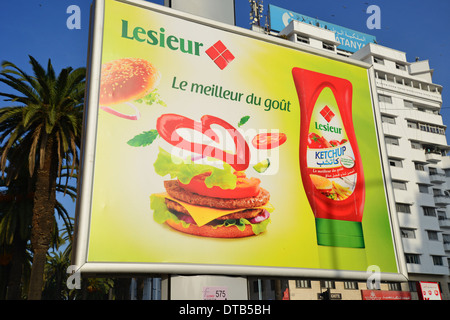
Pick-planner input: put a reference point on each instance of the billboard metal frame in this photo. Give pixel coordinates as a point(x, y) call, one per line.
point(85, 183)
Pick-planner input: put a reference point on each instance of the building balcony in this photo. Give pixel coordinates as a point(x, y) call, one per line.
point(433, 157)
point(447, 246)
point(422, 90)
point(435, 142)
point(444, 223)
point(437, 178)
point(441, 200)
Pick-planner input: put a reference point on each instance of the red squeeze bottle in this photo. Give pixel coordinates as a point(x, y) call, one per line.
point(330, 162)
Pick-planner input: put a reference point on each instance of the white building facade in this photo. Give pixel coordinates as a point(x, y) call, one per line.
point(416, 147)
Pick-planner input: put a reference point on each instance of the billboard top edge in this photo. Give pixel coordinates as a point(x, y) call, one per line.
point(242, 31)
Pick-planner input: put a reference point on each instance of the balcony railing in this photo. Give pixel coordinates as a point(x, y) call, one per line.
point(437, 178)
point(441, 200)
point(433, 157)
point(444, 223)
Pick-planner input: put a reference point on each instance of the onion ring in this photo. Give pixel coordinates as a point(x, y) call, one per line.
point(136, 116)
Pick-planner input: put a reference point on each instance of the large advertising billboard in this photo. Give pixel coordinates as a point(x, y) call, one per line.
point(218, 150)
point(349, 40)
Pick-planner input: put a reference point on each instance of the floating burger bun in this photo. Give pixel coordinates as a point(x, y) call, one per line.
point(125, 80)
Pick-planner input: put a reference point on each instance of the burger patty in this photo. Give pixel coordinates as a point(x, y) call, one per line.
point(247, 214)
point(177, 192)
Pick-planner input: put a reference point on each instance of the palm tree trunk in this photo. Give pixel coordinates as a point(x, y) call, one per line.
point(15, 274)
point(43, 219)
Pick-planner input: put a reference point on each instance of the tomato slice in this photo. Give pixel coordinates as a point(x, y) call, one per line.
point(269, 140)
point(245, 187)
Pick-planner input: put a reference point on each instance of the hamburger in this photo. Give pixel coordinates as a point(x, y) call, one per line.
point(323, 185)
point(208, 201)
point(124, 80)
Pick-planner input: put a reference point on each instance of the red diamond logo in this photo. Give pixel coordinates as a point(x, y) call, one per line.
point(220, 54)
point(327, 113)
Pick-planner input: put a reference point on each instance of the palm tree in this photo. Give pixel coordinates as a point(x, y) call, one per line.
point(16, 207)
point(45, 121)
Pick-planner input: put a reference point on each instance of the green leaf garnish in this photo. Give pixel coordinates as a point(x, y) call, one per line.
point(243, 120)
point(144, 139)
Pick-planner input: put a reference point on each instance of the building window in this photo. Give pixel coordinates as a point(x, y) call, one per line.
point(437, 260)
point(411, 124)
point(437, 193)
point(378, 60)
point(395, 163)
point(412, 286)
point(328, 46)
point(328, 284)
point(431, 128)
point(423, 188)
point(302, 39)
point(408, 233)
point(351, 285)
point(400, 66)
point(401, 185)
point(441, 215)
point(419, 166)
point(391, 140)
point(416, 145)
point(432, 235)
point(387, 119)
point(408, 104)
point(429, 211)
point(412, 258)
point(303, 283)
point(446, 238)
point(394, 286)
point(403, 207)
point(383, 98)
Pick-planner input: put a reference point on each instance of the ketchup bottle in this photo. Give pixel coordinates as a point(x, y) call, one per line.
point(330, 162)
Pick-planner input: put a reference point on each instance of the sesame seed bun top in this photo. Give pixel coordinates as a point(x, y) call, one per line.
point(127, 79)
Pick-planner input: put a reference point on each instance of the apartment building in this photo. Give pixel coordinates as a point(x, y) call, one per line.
point(417, 149)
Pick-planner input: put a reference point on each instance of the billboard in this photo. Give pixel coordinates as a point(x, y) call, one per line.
point(218, 150)
point(350, 40)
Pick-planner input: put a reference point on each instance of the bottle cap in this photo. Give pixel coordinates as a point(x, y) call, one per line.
point(339, 233)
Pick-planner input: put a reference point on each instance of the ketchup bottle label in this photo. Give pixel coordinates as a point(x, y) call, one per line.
point(329, 156)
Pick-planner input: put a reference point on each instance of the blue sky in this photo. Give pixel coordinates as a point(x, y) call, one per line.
point(419, 28)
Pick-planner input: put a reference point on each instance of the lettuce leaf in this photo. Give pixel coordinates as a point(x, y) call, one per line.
point(160, 211)
point(257, 228)
point(185, 170)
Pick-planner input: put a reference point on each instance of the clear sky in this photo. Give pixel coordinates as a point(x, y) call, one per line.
point(419, 28)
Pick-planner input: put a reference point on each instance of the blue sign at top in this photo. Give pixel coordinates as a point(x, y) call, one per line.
point(349, 40)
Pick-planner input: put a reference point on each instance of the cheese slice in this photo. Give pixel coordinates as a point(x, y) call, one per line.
point(203, 215)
